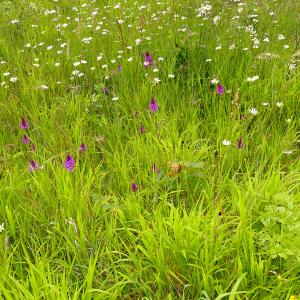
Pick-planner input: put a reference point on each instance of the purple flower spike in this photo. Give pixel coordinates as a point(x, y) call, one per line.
point(24, 124)
point(148, 60)
point(33, 165)
point(69, 163)
point(134, 187)
point(240, 144)
point(25, 139)
point(153, 105)
point(105, 90)
point(119, 68)
point(82, 147)
point(33, 147)
point(220, 89)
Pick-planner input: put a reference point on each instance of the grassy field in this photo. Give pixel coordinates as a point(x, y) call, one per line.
point(150, 149)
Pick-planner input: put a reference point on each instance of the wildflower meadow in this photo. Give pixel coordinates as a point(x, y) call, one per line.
point(149, 149)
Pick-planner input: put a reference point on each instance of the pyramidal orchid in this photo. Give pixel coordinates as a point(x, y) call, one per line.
point(105, 90)
point(32, 166)
point(69, 163)
point(24, 124)
point(220, 89)
point(25, 139)
point(134, 187)
point(153, 105)
point(82, 147)
point(148, 60)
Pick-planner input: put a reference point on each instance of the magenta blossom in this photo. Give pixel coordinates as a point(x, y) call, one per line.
point(82, 147)
point(220, 89)
point(33, 165)
point(148, 60)
point(134, 187)
point(69, 163)
point(24, 124)
point(153, 105)
point(25, 139)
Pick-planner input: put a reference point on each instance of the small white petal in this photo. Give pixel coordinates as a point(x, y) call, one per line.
point(226, 142)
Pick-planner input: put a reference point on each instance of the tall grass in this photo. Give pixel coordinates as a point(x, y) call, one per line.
point(215, 213)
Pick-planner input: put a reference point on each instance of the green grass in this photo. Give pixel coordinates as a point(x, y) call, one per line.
point(215, 222)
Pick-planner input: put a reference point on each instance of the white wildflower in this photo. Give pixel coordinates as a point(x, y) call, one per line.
point(13, 79)
point(44, 87)
point(226, 142)
point(87, 40)
point(216, 20)
point(252, 79)
point(156, 80)
point(214, 81)
point(253, 111)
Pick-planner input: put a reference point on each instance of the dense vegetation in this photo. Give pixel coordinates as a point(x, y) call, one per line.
point(149, 149)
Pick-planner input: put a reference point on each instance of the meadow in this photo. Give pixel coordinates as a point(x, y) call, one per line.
point(150, 149)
